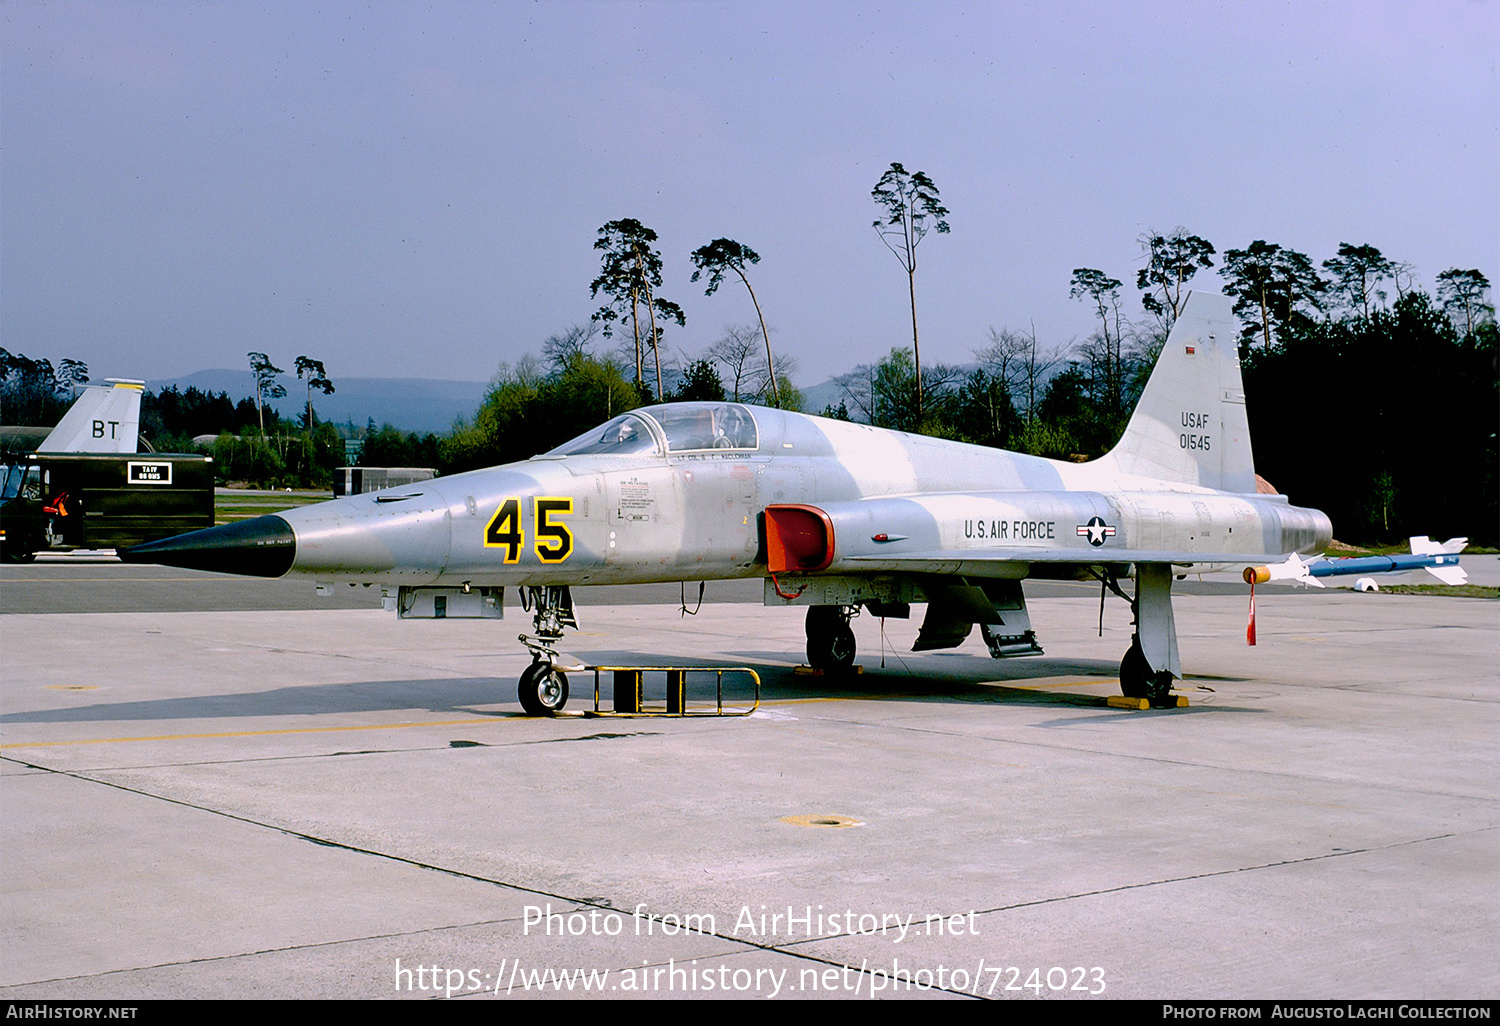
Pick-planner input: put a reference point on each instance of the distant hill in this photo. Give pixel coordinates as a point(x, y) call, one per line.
point(411, 404)
point(816, 397)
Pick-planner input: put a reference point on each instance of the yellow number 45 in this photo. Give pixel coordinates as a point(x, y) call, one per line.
point(553, 542)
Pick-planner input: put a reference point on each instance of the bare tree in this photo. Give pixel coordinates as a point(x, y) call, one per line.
point(735, 349)
point(1002, 356)
point(1035, 368)
point(528, 371)
point(567, 345)
point(767, 386)
point(860, 391)
point(1016, 359)
point(1403, 269)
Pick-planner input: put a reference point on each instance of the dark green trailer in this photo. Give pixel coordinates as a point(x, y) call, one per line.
point(59, 501)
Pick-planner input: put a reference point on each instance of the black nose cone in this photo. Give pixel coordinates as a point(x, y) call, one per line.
point(261, 547)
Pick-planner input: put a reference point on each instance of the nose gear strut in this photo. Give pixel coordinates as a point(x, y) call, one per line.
point(543, 688)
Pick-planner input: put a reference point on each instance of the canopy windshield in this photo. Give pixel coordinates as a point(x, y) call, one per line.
point(626, 435)
point(687, 427)
point(690, 426)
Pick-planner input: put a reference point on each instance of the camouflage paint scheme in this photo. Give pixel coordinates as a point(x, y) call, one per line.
point(837, 514)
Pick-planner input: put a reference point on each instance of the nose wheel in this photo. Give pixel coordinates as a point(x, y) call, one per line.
point(543, 690)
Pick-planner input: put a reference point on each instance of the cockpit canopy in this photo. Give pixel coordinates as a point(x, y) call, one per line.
point(672, 428)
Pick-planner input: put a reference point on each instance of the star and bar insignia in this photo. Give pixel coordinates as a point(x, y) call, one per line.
point(1096, 531)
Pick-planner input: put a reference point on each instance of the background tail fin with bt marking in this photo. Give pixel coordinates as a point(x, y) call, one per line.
point(106, 418)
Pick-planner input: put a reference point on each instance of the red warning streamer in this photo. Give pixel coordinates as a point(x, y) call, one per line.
point(1250, 630)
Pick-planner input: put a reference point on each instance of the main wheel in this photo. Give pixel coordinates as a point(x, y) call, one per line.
point(1135, 673)
point(1138, 680)
point(830, 639)
point(543, 690)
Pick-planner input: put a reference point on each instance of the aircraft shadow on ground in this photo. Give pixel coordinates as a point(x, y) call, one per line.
point(976, 683)
point(964, 680)
point(449, 696)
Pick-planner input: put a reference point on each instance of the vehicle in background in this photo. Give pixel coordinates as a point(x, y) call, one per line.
point(54, 501)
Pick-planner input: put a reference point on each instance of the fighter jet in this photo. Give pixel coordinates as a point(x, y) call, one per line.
point(834, 516)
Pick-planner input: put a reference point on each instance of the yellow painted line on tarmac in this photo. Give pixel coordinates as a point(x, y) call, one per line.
point(880, 696)
point(826, 698)
point(251, 733)
point(1019, 686)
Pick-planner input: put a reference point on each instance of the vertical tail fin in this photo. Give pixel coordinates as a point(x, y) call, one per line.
point(106, 418)
point(1190, 426)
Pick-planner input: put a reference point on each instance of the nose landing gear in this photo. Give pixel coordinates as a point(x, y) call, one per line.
point(543, 688)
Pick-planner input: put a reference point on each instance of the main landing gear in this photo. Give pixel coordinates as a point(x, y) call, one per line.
point(830, 640)
point(1138, 680)
point(1151, 664)
point(543, 687)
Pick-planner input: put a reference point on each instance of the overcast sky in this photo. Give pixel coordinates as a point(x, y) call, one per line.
point(414, 190)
